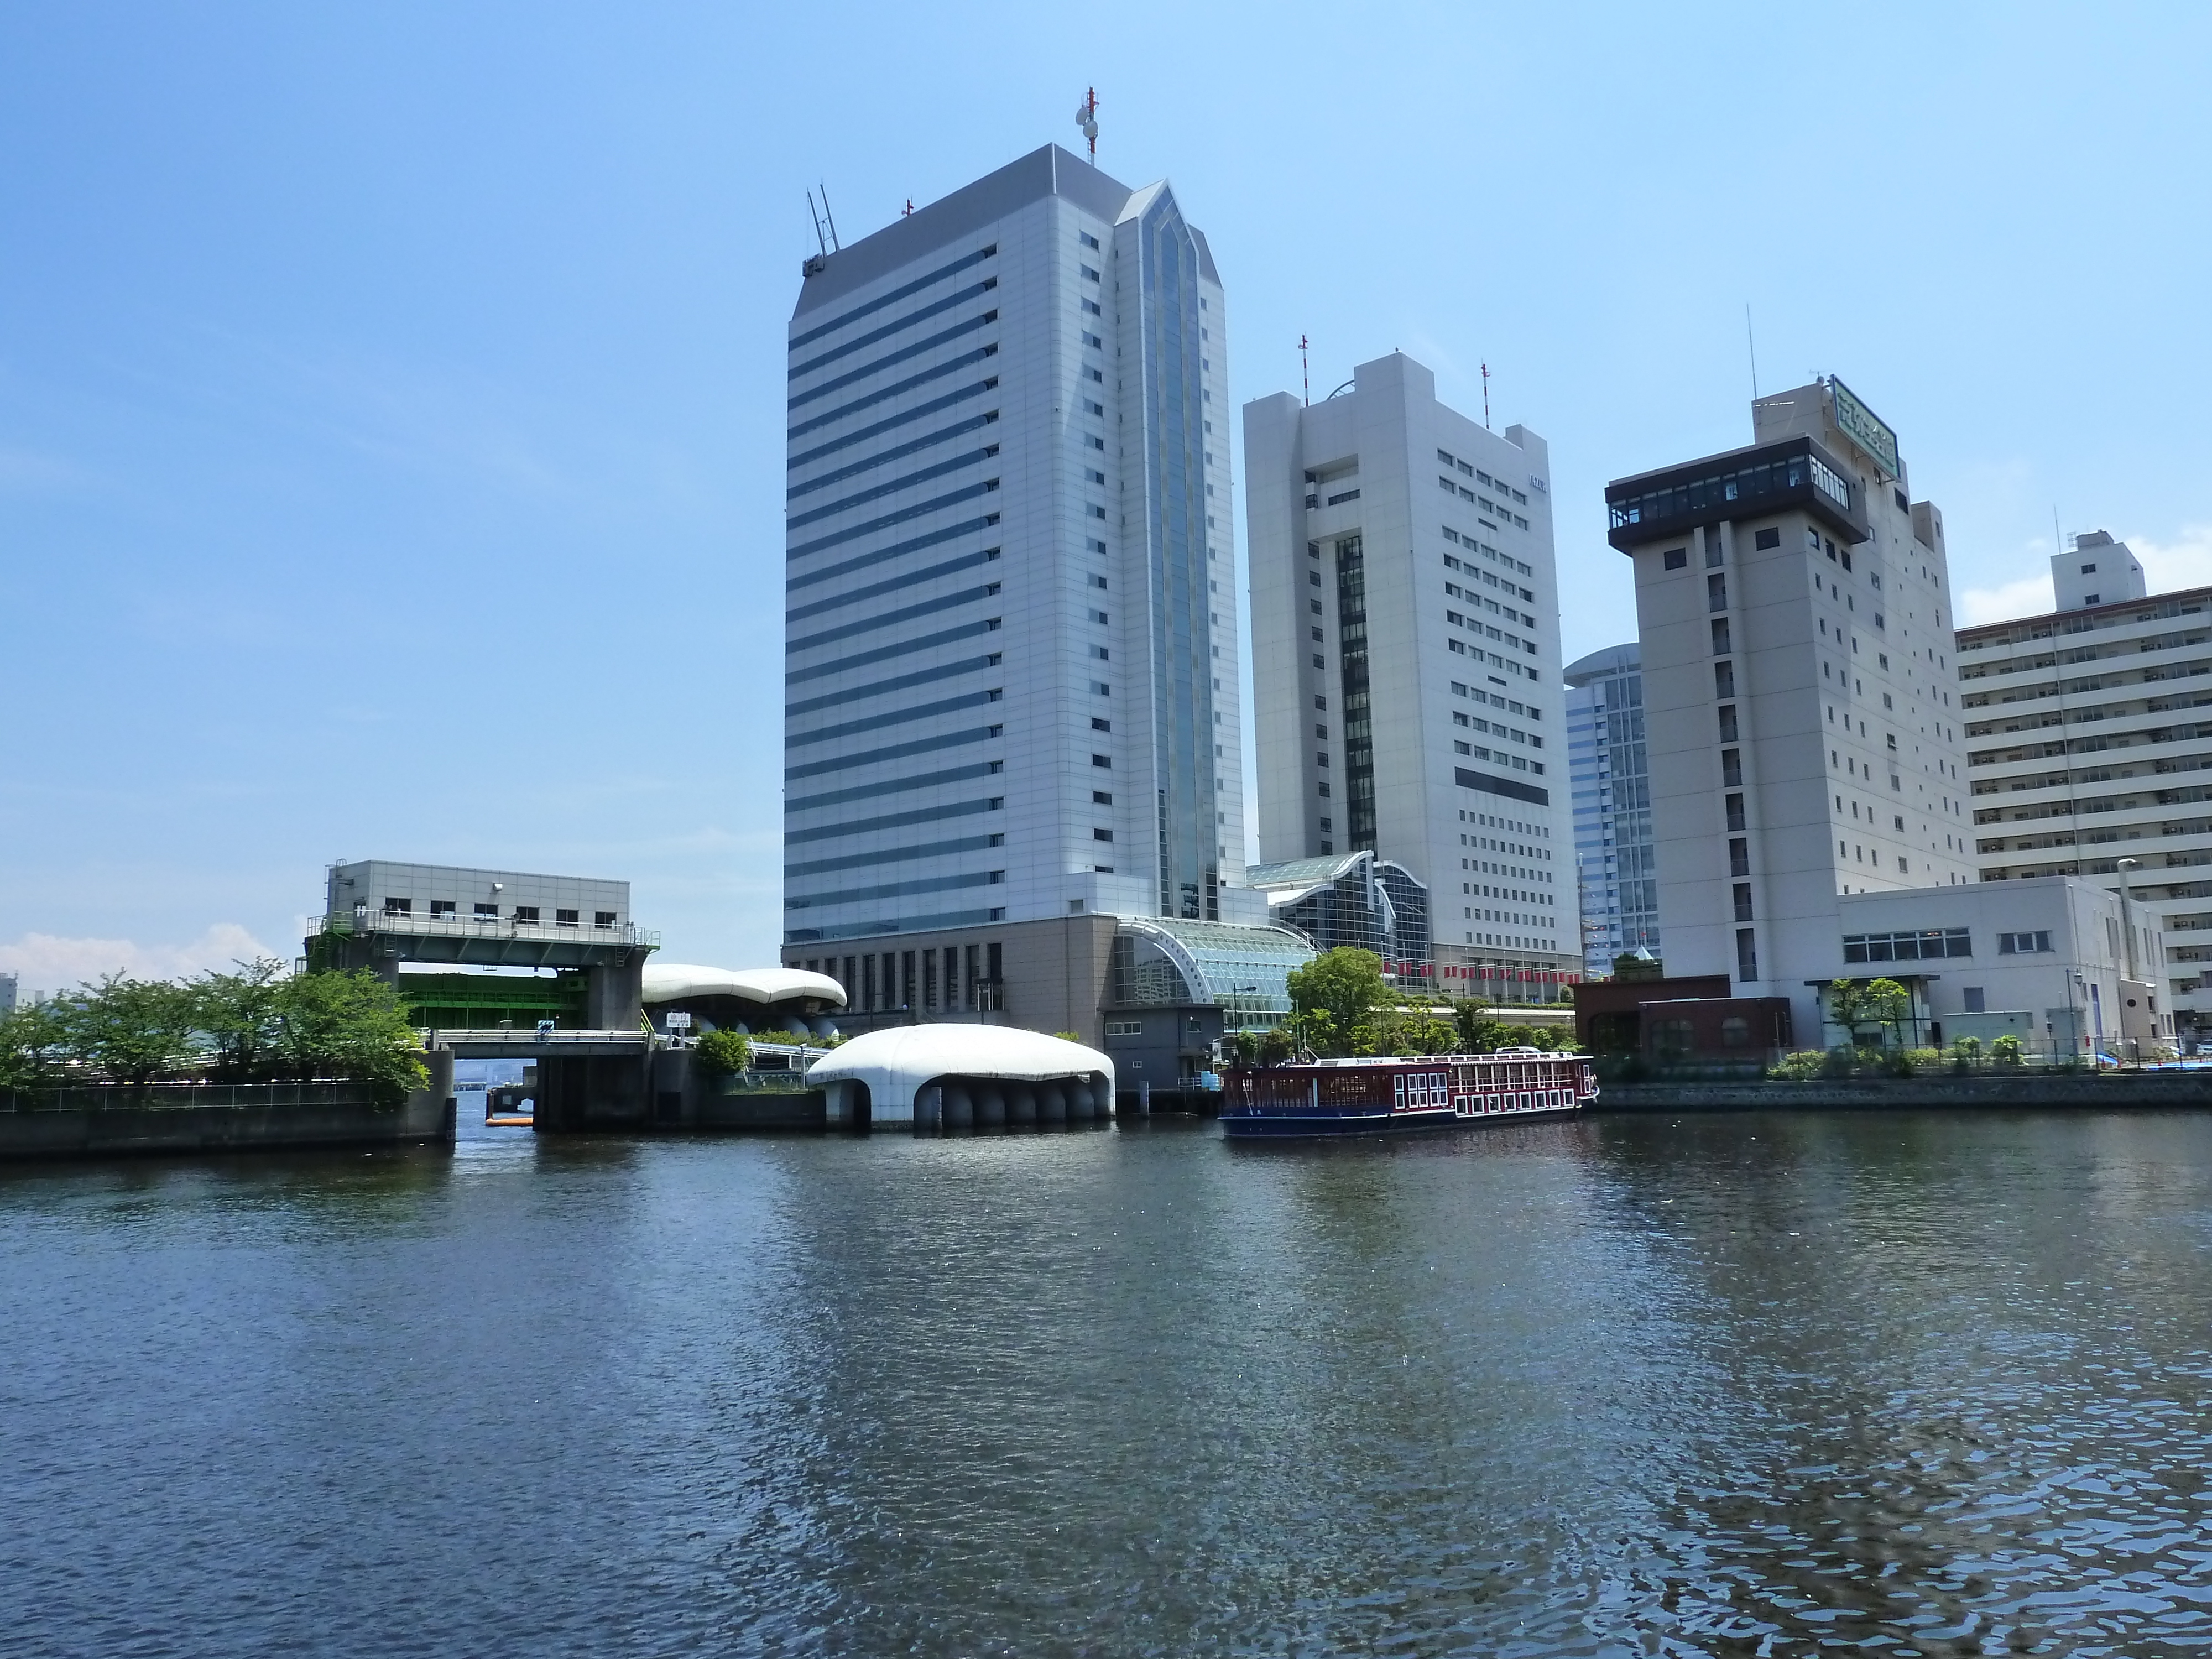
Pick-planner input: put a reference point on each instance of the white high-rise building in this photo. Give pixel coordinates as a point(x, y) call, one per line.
point(1011, 634)
point(1794, 616)
point(1614, 862)
point(2084, 749)
point(1405, 663)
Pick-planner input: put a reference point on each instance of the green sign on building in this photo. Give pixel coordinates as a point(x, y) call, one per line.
point(1865, 428)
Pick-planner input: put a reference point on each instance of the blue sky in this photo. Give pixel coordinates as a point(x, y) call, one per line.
point(390, 455)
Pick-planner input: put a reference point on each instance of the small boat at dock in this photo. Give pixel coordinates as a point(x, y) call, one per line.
point(1389, 1093)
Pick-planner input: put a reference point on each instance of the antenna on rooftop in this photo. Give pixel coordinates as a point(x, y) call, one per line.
point(909, 213)
point(815, 213)
point(1486, 397)
point(1086, 120)
point(835, 245)
point(1305, 371)
point(1752, 341)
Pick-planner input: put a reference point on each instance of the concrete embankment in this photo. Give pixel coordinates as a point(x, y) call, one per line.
point(2106, 1090)
point(185, 1118)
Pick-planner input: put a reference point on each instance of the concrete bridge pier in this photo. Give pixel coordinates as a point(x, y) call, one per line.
point(959, 1107)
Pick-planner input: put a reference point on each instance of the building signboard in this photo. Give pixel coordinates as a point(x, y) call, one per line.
point(1865, 428)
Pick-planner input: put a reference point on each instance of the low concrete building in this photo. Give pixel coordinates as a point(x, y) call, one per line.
point(958, 1076)
point(2067, 965)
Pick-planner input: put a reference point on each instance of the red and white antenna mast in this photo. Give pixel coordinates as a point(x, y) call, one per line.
point(1086, 118)
point(1486, 397)
point(1306, 374)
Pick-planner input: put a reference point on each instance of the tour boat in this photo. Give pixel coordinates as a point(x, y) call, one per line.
point(1371, 1097)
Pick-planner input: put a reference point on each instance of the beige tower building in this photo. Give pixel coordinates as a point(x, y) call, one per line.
point(1794, 611)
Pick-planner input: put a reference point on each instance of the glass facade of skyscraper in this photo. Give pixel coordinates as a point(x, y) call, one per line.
point(1614, 864)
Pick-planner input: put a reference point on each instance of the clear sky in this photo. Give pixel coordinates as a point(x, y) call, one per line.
point(390, 442)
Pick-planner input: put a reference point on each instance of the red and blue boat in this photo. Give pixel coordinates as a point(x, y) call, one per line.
point(1385, 1096)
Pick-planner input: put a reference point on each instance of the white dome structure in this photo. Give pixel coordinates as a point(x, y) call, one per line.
point(754, 999)
point(958, 1077)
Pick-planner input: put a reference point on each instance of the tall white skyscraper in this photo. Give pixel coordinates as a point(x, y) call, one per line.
point(1011, 628)
point(1405, 663)
point(1794, 617)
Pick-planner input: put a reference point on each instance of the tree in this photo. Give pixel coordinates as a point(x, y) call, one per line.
point(723, 1054)
point(237, 1013)
point(1346, 984)
point(31, 1045)
point(1883, 1002)
point(130, 1030)
point(351, 1026)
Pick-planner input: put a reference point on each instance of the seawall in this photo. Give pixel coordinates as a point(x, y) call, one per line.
point(186, 1118)
point(2106, 1090)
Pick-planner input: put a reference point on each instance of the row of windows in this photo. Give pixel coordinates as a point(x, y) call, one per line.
point(870, 306)
point(1483, 503)
point(2025, 634)
point(522, 912)
point(1476, 625)
point(1492, 554)
point(1480, 476)
point(1512, 589)
point(972, 975)
point(896, 452)
point(1497, 730)
point(868, 371)
point(1476, 752)
point(884, 394)
point(1477, 695)
point(1928, 946)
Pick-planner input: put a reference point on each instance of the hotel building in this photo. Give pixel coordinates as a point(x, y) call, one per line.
point(1801, 732)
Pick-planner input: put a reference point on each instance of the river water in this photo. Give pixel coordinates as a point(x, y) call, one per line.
point(1726, 1385)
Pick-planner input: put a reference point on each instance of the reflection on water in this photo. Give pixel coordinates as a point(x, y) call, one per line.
point(1910, 1384)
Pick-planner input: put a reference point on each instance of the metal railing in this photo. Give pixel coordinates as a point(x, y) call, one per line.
point(446, 1037)
point(444, 925)
point(184, 1096)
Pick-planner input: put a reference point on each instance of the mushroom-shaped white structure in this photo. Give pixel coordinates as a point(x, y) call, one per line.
point(745, 998)
point(958, 1076)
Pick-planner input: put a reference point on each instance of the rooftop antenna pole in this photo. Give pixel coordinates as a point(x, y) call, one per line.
point(831, 217)
point(1086, 119)
point(1305, 371)
point(1486, 397)
point(1751, 340)
point(815, 213)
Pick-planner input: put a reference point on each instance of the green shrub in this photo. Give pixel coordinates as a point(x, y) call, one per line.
point(1804, 1064)
point(2005, 1052)
point(721, 1054)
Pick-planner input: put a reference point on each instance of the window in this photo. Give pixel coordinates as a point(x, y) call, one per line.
point(1731, 768)
point(441, 907)
point(1723, 679)
point(486, 909)
point(1931, 944)
point(564, 918)
point(398, 907)
point(1727, 724)
point(1089, 274)
point(1125, 1027)
point(1766, 540)
point(1716, 593)
point(1676, 558)
point(602, 918)
point(1102, 760)
point(1734, 805)
point(1712, 548)
point(1097, 725)
point(1739, 857)
point(1102, 797)
point(1721, 646)
point(1973, 1000)
point(2022, 943)
point(526, 913)
point(1102, 834)
point(1747, 955)
point(1742, 896)
point(1736, 1032)
point(1086, 239)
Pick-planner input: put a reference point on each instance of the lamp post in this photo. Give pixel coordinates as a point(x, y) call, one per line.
point(2128, 929)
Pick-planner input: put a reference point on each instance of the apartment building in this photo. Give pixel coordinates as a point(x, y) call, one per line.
point(1405, 663)
point(1616, 866)
point(2089, 753)
point(1794, 620)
